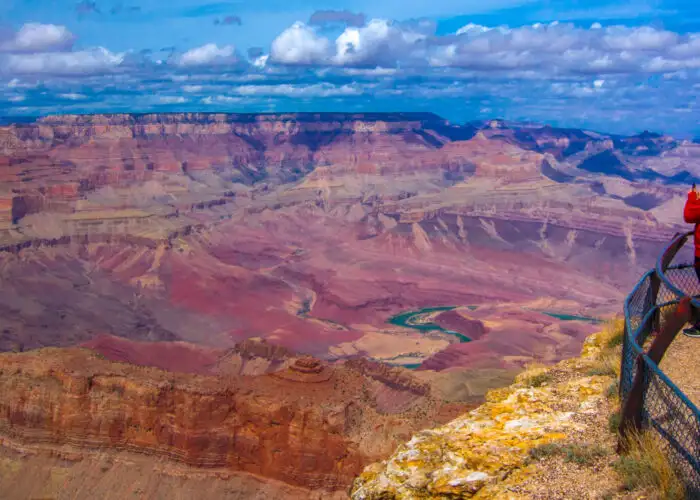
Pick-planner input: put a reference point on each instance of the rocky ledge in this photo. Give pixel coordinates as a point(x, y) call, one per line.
point(487, 452)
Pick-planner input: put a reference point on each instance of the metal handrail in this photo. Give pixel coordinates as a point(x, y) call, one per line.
point(653, 293)
point(664, 261)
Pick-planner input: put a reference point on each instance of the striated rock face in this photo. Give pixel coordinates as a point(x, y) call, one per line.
point(178, 241)
point(471, 455)
point(313, 230)
point(202, 423)
point(63, 474)
point(307, 425)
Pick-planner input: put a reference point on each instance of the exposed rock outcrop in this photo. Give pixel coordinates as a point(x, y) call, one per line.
point(484, 453)
point(309, 425)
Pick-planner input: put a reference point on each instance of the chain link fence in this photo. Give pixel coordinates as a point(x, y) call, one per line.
point(666, 409)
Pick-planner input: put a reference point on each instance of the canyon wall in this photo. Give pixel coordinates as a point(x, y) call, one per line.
point(303, 423)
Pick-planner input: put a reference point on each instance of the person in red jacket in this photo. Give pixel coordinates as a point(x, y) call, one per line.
point(691, 215)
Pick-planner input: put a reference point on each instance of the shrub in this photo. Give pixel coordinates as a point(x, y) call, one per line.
point(608, 364)
point(535, 375)
point(581, 454)
point(646, 467)
point(614, 422)
point(545, 450)
point(613, 390)
point(539, 379)
point(612, 334)
point(615, 339)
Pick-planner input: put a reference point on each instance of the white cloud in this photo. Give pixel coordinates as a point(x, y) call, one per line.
point(221, 99)
point(549, 49)
point(261, 61)
point(16, 98)
point(16, 83)
point(36, 37)
point(690, 48)
point(299, 44)
point(290, 90)
point(642, 38)
point(378, 71)
point(172, 100)
point(472, 28)
point(73, 96)
point(61, 63)
point(192, 88)
point(380, 43)
point(208, 54)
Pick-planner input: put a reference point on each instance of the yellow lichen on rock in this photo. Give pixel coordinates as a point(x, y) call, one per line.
point(469, 456)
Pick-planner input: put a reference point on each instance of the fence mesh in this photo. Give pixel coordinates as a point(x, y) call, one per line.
point(666, 410)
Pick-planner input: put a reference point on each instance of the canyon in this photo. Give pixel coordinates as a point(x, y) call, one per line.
point(293, 419)
point(215, 291)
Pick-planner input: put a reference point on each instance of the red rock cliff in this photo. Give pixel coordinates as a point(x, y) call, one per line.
point(294, 425)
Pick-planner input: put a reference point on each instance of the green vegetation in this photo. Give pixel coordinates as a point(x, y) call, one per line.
point(616, 338)
point(612, 333)
point(609, 341)
point(614, 422)
point(538, 379)
point(613, 390)
point(608, 365)
point(581, 454)
point(646, 467)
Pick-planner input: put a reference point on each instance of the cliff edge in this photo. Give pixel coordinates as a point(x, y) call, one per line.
point(549, 435)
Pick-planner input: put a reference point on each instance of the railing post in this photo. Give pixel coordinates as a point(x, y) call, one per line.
point(631, 417)
point(623, 359)
point(631, 412)
point(655, 282)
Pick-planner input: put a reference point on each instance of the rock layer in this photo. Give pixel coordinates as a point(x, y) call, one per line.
point(315, 429)
point(313, 230)
point(471, 455)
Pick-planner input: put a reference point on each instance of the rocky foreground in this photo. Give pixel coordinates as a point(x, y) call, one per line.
point(546, 436)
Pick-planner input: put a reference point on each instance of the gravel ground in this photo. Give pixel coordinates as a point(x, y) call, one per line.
point(555, 478)
point(682, 364)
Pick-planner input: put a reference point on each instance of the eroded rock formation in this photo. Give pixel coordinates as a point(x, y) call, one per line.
point(309, 425)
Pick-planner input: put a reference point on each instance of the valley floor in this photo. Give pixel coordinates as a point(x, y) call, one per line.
point(682, 364)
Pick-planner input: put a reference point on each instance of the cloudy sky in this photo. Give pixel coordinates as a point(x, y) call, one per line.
point(622, 66)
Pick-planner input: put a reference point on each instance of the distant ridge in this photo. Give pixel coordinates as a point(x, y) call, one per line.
point(325, 117)
point(249, 117)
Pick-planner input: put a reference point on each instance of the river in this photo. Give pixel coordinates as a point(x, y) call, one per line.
point(417, 321)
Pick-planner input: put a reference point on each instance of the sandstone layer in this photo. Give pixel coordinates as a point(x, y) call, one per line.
point(304, 423)
point(313, 230)
point(176, 242)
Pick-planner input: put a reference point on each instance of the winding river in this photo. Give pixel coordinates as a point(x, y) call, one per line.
point(418, 321)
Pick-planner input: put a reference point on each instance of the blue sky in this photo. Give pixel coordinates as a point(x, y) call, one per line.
point(619, 66)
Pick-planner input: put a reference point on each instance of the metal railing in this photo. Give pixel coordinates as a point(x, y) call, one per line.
point(665, 409)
